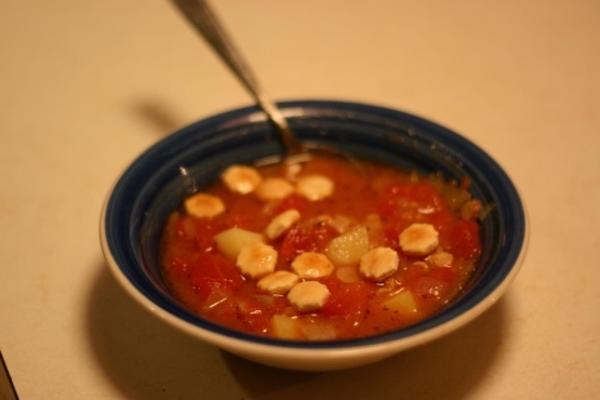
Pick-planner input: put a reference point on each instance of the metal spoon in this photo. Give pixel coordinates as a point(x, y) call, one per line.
point(201, 17)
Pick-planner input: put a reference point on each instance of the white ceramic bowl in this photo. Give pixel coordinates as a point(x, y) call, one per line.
point(152, 186)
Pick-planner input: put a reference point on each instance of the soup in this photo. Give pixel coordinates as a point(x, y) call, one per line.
point(322, 250)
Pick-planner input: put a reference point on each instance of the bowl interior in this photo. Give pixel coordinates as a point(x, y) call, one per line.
point(155, 183)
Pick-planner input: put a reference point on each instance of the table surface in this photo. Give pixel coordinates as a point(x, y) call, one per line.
point(87, 85)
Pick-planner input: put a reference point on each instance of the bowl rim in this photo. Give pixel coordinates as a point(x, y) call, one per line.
point(301, 349)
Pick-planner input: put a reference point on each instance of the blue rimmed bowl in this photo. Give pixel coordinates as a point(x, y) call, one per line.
point(154, 184)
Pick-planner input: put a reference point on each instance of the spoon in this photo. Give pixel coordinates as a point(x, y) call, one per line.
point(201, 16)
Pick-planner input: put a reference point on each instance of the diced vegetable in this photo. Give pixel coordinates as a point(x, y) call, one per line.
point(454, 195)
point(429, 287)
point(463, 239)
point(348, 274)
point(347, 249)
point(347, 298)
point(214, 273)
point(318, 330)
point(470, 209)
point(231, 241)
point(303, 238)
point(440, 258)
point(187, 228)
point(403, 302)
point(285, 327)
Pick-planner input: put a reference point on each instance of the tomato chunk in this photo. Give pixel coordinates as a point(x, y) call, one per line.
point(445, 274)
point(305, 238)
point(346, 298)
point(214, 272)
point(293, 201)
point(463, 239)
point(429, 287)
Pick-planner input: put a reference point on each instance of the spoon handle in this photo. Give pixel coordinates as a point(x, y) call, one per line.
point(201, 16)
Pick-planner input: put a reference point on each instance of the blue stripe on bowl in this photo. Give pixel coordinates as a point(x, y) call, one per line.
point(153, 186)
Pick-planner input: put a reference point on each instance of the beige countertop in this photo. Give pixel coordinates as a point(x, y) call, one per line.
point(87, 85)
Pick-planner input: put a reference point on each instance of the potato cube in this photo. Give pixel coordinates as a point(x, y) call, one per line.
point(348, 248)
point(231, 241)
point(403, 302)
point(285, 327)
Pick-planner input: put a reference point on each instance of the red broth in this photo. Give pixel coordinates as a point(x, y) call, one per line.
point(372, 205)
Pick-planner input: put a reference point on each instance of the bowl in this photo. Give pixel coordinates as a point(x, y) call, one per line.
point(154, 184)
